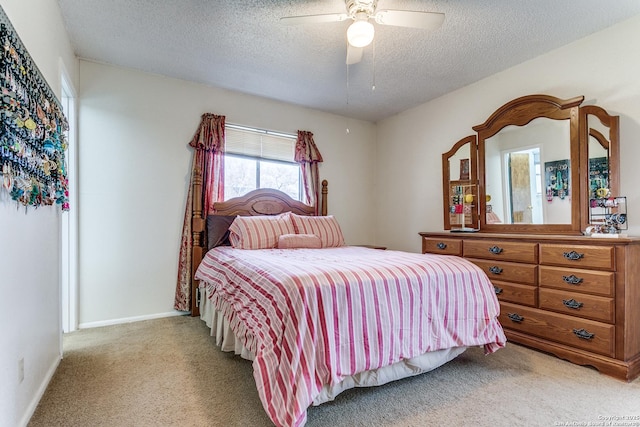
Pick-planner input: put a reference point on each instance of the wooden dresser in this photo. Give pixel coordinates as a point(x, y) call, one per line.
point(573, 296)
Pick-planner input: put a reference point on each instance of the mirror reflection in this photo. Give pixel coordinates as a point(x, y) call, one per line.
point(460, 179)
point(459, 164)
point(598, 147)
point(527, 174)
point(462, 189)
point(598, 163)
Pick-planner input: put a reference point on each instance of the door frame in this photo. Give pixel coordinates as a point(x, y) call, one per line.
point(69, 220)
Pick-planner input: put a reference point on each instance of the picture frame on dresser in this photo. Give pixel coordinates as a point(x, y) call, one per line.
point(465, 169)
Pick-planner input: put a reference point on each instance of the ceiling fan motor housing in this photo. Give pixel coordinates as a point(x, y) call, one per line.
point(354, 7)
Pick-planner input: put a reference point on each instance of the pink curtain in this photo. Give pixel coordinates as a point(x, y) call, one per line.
point(308, 156)
point(208, 144)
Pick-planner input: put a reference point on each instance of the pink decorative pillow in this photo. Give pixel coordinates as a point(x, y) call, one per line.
point(325, 227)
point(259, 232)
point(292, 241)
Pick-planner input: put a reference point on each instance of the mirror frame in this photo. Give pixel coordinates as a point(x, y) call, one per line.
point(519, 112)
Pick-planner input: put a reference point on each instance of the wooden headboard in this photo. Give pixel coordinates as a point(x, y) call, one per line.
point(264, 201)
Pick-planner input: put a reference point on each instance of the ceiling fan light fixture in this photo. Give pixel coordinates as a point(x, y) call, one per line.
point(360, 33)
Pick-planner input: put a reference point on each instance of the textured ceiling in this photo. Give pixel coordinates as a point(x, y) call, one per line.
point(240, 45)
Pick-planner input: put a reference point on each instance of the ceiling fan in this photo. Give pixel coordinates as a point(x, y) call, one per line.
point(360, 33)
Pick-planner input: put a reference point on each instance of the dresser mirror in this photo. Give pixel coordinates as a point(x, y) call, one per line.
point(601, 131)
point(525, 167)
point(460, 190)
point(526, 178)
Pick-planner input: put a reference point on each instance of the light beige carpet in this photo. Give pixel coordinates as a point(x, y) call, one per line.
point(168, 372)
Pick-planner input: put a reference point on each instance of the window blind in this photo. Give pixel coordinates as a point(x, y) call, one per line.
point(259, 143)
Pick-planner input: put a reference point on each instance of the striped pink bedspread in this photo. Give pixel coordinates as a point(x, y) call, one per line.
point(313, 316)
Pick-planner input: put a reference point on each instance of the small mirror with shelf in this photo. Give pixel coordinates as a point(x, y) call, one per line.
point(460, 191)
point(601, 131)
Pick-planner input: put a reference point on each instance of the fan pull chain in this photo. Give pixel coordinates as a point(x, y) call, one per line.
point(347, 120)
point(373, 86)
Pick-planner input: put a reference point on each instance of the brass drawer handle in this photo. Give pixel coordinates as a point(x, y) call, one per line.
point(495, 250)
point(571, 303)
point(515, 317)
point(497, 290)
point(441, 245)
point(573, 255)
point(495, 269)
point(583, 334)
point(572, 280)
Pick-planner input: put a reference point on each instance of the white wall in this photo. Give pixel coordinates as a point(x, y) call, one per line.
point(30, 243)
point(603, 67)
point(134, 172)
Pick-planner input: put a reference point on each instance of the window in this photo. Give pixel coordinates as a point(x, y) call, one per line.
point(260, 159)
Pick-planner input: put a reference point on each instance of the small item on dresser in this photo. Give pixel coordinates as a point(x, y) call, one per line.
point(608, 217)
point(609, 235)
point(464, 230)
point(602, 192)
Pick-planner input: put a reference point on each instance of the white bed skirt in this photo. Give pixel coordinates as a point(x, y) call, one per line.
point(226, 340)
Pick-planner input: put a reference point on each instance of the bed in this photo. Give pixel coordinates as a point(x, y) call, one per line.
point(318, 317)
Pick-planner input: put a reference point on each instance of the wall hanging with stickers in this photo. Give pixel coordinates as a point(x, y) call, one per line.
point(32, 129)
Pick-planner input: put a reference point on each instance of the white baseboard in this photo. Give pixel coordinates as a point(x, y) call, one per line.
point(100, 323)
point(39, 393)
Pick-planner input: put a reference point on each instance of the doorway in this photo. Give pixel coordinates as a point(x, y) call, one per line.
point(69, 220)
point(524, 186)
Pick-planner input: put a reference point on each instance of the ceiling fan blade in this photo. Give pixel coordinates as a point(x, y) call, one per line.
point(314, 19)
point(354, 54)
point(410, 18)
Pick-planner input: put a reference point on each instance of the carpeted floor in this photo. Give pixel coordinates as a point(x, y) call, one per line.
point(168, 372)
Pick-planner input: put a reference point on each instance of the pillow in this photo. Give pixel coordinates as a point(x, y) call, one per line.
point(259, 232)
point(292, 241)
point(218, 230)
point(325, 227)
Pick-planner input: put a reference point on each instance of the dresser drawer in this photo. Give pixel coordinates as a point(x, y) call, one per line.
point(516, 293)
point(577, 304)
point(501, 250)
point(579, 256)
point(572, 331)
point(508, 271)
point(442, 246)
point(574, 279)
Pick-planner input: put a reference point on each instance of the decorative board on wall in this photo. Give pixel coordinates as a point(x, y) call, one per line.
point(32, 128)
